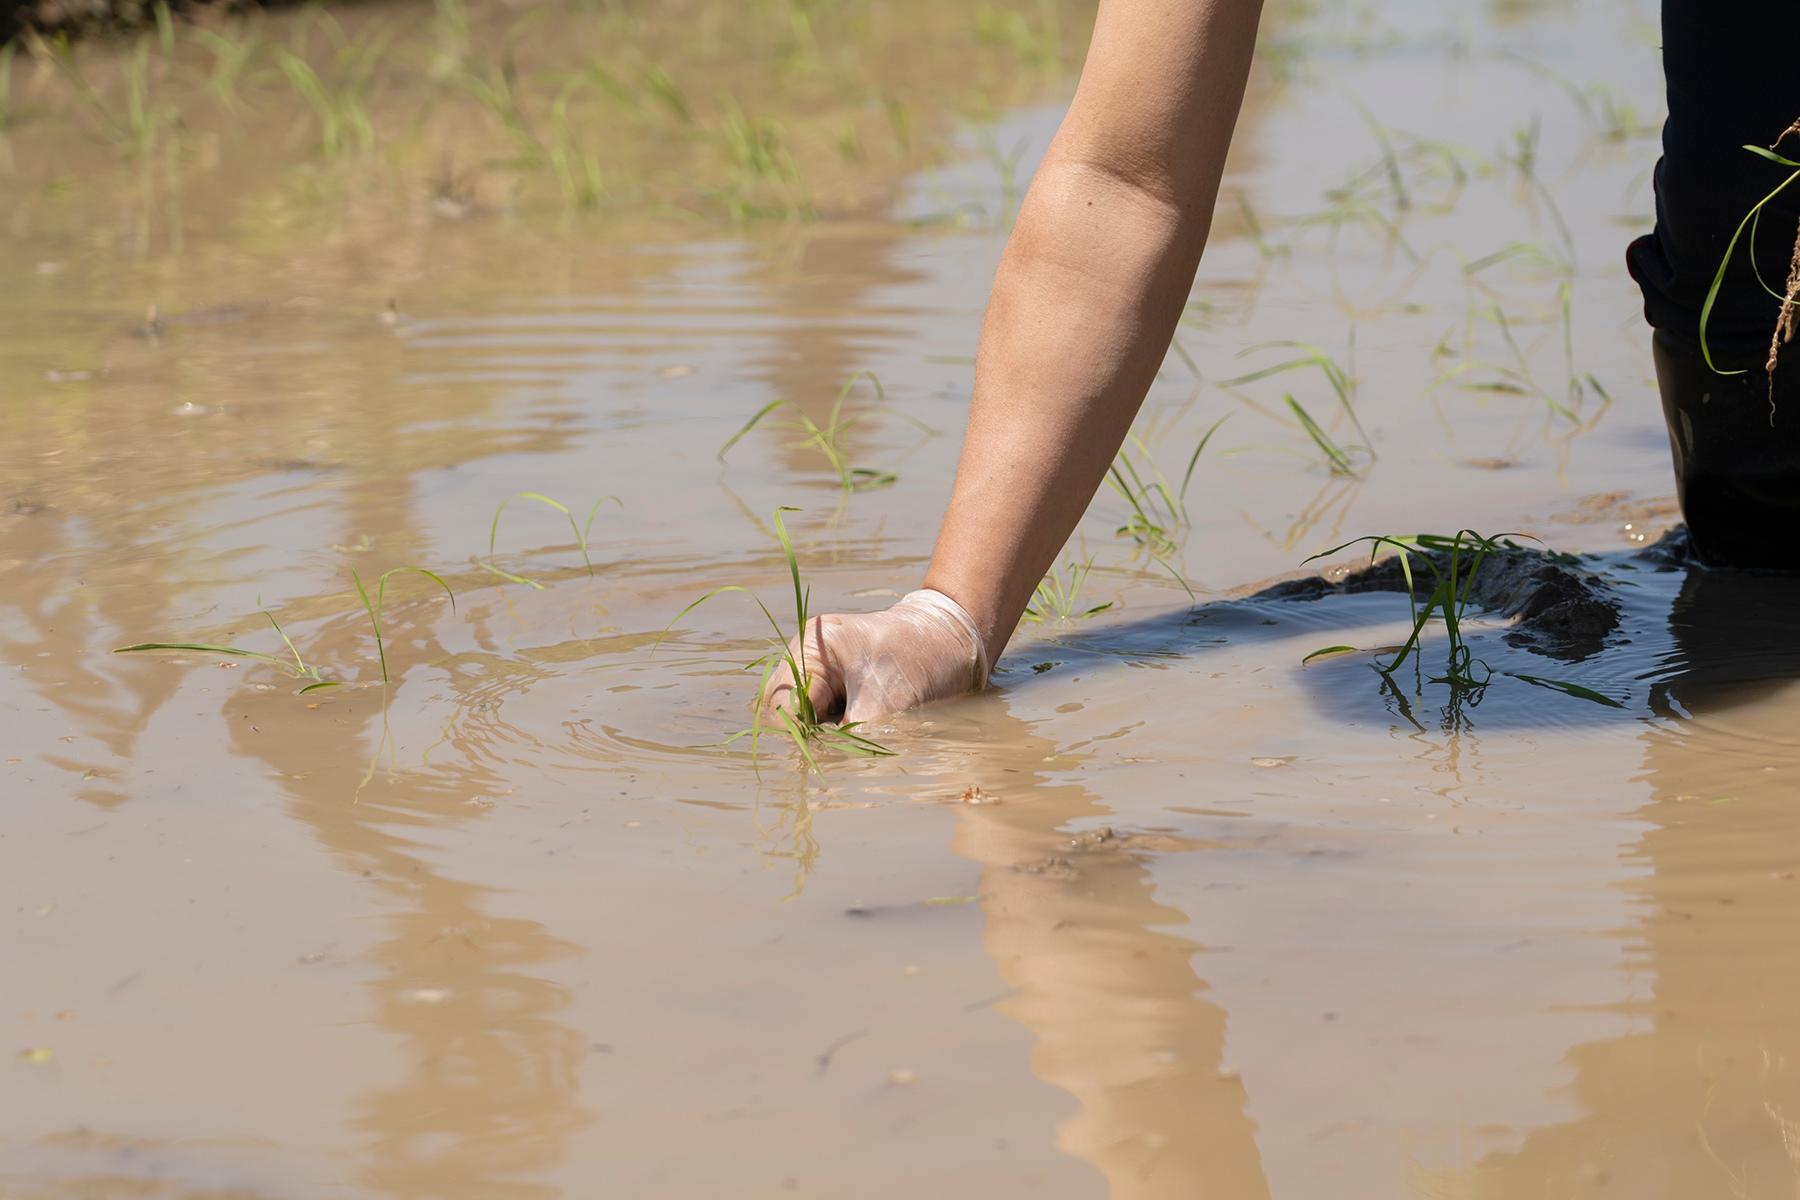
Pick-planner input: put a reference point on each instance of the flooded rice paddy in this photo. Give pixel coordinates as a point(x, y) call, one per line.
point(1165, 913)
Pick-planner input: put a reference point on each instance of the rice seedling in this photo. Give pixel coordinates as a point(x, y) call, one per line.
point(1453, 563)
point(1035, 40)
point(496, 93)
point(1611, 117)
point(756, 147)
point(1056, 597)
point(1524, 159)
point(1255, 231)
point(828, 438)
point(344, 124)
point(374, 606)
point(899, 119)
point(800, 721)
point(1006, 166)
point(1158, 509)
point(136, 131)
point(577, 170)
point(1335, 455)
point(580, 531)
point(7, 115)
point(231, 59)
point(1343, 386)
point(849, 144)
point(666, 92)
point(165, 27)
point(299, 668)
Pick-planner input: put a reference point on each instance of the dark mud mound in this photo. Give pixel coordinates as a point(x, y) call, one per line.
point(79, 16)
point(1562, 608)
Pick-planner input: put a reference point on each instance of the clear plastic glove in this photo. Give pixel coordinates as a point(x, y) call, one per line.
point(866, 665)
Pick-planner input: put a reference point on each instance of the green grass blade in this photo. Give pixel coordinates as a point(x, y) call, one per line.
point(1194, 461)
point(203, 648)
point(1718, 279)
point(1568, 689)
point(762, 412)
point(299, 663)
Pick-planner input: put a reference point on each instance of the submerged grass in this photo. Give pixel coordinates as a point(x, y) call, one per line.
point(801, 723)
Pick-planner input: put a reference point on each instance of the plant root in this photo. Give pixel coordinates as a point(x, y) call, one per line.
point(1788, 320)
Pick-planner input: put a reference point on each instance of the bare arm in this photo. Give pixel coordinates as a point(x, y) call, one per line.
point(1083, 307)
point(1089, 291)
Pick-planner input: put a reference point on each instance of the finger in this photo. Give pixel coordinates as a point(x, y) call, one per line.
point(817, 661)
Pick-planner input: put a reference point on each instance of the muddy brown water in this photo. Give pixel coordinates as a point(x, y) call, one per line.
point(516, 925)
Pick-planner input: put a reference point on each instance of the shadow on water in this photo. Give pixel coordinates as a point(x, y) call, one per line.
point(1699, 1097)
point(1686, 640)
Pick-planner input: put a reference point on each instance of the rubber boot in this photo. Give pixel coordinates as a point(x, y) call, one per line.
point(1737, 462)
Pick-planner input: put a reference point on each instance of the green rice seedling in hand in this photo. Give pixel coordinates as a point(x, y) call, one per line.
point(1055, 598)
point(298, 669)
point(373, 607)
point(800, 722)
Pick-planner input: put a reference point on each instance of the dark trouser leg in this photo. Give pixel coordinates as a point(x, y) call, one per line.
point(1733, 73)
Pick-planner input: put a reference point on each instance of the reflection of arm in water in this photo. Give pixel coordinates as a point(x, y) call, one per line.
point(1082, 310)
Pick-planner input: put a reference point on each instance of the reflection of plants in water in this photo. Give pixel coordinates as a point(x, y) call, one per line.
point(1056, 597)
point(828, 439)
point(790, 836)
point(1453, 562)
point(800, 721)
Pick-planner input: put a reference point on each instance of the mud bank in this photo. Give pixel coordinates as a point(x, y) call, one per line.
point(1560, 607)
point(84, 16)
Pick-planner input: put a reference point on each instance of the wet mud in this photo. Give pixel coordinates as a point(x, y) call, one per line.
point(1560, 606)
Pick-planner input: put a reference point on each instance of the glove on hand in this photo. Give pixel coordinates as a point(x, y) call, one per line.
point(866, 665)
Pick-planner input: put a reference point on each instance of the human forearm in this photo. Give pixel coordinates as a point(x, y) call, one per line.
point(1082, 310)
point(1088, 292)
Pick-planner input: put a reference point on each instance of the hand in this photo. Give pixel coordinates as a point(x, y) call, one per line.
point(866, 665)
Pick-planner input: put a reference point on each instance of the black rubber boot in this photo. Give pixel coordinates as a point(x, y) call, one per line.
point(1737, 465)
